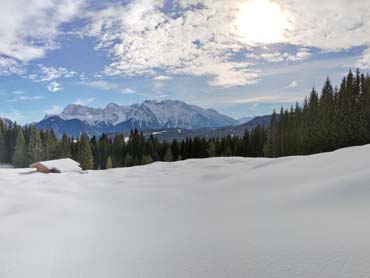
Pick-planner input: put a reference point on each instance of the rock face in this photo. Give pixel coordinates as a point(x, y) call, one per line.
point(147, 115)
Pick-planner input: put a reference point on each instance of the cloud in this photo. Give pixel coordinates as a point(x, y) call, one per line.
point(162, 78)
point(299, 55)
point(293, 84)
point(55, 109)
point(201, 37)
point(28, 29)
point(15, 114)
point(364, 61)
point(128, 91)
point(143, 37)
point(267, 99)
point(100, 84)
point(17, 92)
point(54, 87)
point(25, 98)
point(84, 102)
point(50, 73)
point(10, 66)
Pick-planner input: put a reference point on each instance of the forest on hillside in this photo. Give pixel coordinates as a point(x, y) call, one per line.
point(336, 117)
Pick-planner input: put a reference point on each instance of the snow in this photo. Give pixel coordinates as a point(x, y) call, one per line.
point(153, 114)
point(222, 217)
point(62, 165)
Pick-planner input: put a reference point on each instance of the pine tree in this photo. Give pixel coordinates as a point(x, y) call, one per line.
point(147, 159)
point(64, 148)
point(128, 161)
point(109, 164)
point(35, 148)
point(20, 157)
point(211, 149)
point(168, 155)
point(84, 154)
point(2, 144)
point(118, 150)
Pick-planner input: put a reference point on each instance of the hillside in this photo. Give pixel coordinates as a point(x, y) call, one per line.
point(230, 217)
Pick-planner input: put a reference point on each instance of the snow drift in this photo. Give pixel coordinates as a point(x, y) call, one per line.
point(222, 217)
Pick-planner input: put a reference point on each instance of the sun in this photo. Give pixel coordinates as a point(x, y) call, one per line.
point(261, 21)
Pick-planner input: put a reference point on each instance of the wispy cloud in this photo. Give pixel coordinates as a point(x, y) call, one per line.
point(162, 77)
point(127, 91)
point(267, 99)
point(100, 84)
point(54, 87)
point(25, 98)
point(82, 101)
point(293, 84)
point(55, 109)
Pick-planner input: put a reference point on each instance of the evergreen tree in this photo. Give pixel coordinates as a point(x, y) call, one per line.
point(35, 148)
point(20, 157)
point(64, 148)
point(211, 149)
point(147, 159)
point(128, 162)
point(2, 144)
point(109, 164)
point(84, 154)
point(168, 157)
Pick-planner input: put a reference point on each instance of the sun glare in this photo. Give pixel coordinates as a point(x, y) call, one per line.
point(261, 21)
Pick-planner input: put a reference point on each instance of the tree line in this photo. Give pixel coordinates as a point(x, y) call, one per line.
point(335, 118)
point(22, 146)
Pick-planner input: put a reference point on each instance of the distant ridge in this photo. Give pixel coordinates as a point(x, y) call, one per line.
point(149, 115)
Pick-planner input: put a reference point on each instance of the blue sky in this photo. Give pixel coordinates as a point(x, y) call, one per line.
point(241, 57)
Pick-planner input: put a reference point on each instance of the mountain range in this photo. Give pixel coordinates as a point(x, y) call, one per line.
point(160, 117)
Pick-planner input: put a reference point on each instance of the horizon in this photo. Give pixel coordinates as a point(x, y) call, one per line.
point(221, 55)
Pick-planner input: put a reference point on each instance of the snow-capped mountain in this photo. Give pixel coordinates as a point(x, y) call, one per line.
point(148, 115)
point(6, 121)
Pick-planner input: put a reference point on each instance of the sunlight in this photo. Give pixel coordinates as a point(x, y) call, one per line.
point(261, 21)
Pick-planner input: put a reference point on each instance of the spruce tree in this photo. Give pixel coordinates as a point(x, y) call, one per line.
point(109, 164)
point(64, 149)
point(168, 155)
point(84, 154)
point(2, 145)
point(35, 148)
point(128, 161)
point(20, 157)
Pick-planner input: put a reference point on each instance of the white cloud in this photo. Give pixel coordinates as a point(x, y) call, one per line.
point(201, 38)
point(293, 84)
point(17, 92)
point(10, 66)
point(25, 98)
point(30, 28)
point(55, 109)
point(141, 38)
point(15, 115)
point(128, 91)
point(100, 84)
point(54, 87)
point(50, 73)
point(162, 78)
point(364, 61)
point(84, 102)
point(267, 99)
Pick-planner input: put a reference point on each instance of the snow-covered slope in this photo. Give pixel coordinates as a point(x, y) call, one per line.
point(222, 217)
point(149, 114)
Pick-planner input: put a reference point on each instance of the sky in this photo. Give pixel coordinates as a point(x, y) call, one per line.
point(241, 57)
